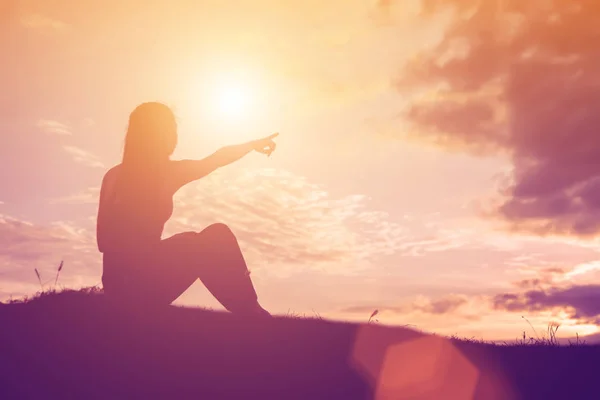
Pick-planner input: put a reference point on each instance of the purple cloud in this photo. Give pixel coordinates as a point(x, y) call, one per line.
point(520, 79)
point(581, 301)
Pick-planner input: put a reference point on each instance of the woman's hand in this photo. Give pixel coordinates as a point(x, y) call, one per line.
point(265, 145)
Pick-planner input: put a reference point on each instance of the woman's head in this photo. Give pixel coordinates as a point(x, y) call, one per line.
point(151, 134)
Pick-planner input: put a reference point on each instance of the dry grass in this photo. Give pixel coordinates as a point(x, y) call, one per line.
point(549, 338)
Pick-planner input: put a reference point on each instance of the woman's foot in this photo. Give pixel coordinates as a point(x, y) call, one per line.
point(257, 310)
point(262, 312)
point(254, 310)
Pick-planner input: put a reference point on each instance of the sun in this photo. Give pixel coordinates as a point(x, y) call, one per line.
point(232, 100)
point(227, 103)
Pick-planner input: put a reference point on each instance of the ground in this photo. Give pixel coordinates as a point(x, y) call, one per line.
point(76, 344)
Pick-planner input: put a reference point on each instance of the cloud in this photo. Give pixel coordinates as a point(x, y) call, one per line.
point(583, 269)
point(582, 302)
point(565, 292)
point(43, 23)
point(285, 224)
point(26, 246)
point(544, 277)
point(285, 221)
point(87, 196)
point(84, 157)
point(54, 127)
point(445, 305)
point(519, 79)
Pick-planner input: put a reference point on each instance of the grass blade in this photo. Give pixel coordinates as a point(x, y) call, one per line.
point(58, 272)
point(39, 278)
point(373, 314)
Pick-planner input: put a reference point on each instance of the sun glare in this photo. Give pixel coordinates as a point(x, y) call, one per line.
point(232, 100)
point(227, 104)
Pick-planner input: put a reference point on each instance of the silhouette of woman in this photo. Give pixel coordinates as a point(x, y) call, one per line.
point(136, 200)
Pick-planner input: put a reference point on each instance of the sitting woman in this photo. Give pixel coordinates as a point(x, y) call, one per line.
point(136, 200)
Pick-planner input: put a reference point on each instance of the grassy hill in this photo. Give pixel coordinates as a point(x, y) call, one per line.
point(75, 344)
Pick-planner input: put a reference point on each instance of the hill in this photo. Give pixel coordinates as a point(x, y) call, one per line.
point(78, 345)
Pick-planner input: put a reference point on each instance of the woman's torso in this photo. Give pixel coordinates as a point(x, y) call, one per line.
point(130, 223)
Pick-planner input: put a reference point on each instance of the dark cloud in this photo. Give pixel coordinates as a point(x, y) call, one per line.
point(581, 301)
point(450, 123)
point(519, 78)
point(544, 277)
point(444, 306)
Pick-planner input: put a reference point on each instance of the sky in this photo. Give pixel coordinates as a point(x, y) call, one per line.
point(437, 159)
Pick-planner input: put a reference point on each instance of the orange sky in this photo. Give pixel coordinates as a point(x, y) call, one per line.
point(406, 179)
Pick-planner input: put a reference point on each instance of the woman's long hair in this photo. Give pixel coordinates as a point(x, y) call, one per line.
point(150, 140)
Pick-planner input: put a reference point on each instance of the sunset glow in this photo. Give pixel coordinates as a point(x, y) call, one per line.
point(430, 166)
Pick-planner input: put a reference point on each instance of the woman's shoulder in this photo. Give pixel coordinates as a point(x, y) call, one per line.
point(169, 171)
point(111, 175)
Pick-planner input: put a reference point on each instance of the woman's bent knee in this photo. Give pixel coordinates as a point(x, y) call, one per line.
point(219, 231)
point(219, 227)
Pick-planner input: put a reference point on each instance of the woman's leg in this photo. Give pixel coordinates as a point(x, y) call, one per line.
point(212, 255)
point(224, 272)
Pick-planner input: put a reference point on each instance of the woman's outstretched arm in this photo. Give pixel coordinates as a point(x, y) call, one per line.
point(190, 170)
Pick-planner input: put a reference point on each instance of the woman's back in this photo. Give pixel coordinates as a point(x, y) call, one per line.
point(132, 213)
